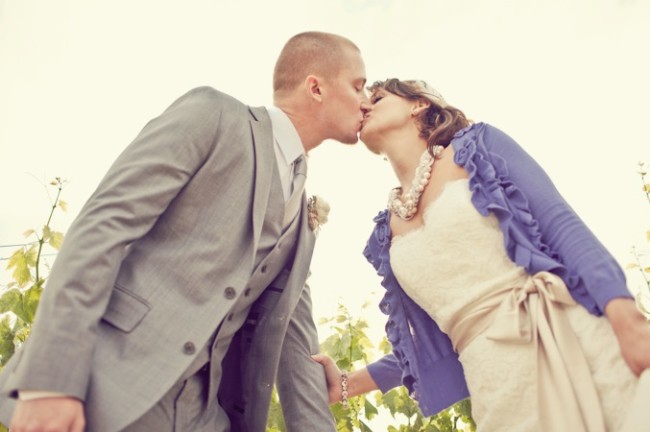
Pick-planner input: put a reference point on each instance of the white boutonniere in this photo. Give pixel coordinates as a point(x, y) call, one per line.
point(318, 210)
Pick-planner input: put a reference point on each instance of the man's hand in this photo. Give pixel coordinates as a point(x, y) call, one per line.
point(632, 331)
point(52, 414)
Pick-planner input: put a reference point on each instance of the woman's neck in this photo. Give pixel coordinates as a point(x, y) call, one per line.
point(404, 157)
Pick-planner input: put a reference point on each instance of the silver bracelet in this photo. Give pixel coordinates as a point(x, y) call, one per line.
point(344, 390)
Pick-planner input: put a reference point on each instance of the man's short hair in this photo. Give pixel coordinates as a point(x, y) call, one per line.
point(308, 53)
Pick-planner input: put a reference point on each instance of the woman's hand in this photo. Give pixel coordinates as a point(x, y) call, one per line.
point(333, 375)
point(632, 331)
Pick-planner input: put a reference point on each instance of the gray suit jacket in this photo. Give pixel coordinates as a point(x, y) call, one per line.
point(155, 261)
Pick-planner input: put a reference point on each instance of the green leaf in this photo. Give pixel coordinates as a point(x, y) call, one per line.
point(23, 305)
point(21, 261)
point(330, 346)
point(21, 332)
point(7, 347)
point(364, 427)
point(9, 300)
point(343, 364)
point(385, 346)
point(56, 239)
point(275, 420)
point(391, 400)
point(370, 410)
point(464, 408)
point(30, 302)
point(324, 321)
point(47, 233)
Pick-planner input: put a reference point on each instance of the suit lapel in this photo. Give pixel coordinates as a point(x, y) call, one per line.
point(264, 164)
point(304, 251)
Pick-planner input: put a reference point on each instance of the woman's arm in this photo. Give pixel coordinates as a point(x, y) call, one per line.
point(632, 331)
point(593, 273)
point(578, 249)
point(359, 381)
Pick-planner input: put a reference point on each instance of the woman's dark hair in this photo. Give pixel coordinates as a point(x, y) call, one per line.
point(439, 122)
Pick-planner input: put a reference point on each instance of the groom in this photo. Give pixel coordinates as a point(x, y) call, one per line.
point(179, 292)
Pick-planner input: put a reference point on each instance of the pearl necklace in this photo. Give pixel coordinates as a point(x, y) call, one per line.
point(406, 206)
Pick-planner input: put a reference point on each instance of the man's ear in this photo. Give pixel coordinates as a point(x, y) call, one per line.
point(313, 87)
point(419, 106)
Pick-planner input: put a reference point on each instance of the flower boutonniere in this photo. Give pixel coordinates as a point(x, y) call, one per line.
point(318, 210)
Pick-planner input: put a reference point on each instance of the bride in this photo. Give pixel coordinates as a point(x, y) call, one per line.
point(494, 286)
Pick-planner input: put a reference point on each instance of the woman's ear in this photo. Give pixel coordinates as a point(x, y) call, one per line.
point(419, 106)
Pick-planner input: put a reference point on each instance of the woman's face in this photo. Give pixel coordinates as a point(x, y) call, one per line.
point(389, 113)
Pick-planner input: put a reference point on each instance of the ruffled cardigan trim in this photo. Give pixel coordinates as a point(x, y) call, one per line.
point(407, 323)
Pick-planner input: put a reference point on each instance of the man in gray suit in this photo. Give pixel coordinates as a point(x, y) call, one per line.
point(179, 293)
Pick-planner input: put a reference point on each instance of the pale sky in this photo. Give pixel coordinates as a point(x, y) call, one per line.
point(568, 79)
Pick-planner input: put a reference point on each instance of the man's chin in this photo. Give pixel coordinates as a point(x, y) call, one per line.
point(351, 140)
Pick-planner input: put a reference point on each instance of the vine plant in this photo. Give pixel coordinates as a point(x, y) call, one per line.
point(20, 298)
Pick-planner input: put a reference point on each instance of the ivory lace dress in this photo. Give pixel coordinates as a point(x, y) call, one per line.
point(526, 347)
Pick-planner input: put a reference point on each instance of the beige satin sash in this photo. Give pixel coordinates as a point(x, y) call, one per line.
point(532, 313)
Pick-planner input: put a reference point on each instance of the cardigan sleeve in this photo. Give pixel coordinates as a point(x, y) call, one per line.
point(592, 270)
point(386, 373)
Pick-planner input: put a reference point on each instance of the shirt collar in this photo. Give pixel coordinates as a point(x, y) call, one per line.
point(286, 135)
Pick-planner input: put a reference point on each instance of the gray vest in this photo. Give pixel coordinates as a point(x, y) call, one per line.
point(273, 260)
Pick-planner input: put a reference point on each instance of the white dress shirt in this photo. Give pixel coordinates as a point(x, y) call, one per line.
point(288, 147)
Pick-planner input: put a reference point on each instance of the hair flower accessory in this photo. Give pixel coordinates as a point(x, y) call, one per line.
point(318, 210)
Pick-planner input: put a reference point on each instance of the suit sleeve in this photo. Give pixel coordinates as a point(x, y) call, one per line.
point(301, 381)
point(136, 190)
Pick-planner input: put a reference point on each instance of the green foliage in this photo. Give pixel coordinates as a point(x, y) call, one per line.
point(18, 303)
point(351, 349)
point(275, 421)
point(640, 255)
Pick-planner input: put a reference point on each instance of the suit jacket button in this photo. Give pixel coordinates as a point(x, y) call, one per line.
point(247, 292)
point(189, 348)
point(230, 293)
point(264, 268)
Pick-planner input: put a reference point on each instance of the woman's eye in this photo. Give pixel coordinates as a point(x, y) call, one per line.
point(376, 99)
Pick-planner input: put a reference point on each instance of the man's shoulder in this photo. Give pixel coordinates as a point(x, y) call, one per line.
point(206, 105)
point(210, 95)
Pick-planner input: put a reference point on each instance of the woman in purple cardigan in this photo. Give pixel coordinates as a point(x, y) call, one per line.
point(494, 286)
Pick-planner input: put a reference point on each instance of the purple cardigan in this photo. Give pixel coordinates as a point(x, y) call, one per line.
point(541, 233)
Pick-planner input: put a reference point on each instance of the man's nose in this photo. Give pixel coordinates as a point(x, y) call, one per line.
point(366, 107)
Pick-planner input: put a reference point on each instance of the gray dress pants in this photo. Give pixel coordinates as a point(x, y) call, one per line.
point(184, 409)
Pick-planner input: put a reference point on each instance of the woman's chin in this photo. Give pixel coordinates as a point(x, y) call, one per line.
point(365, 137)
point(369, 146)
